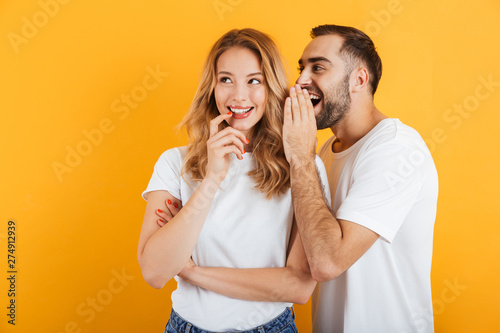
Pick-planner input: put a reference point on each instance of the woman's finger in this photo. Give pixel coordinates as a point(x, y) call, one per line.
point(173, 207)
point(214, 123)
point(231, 131)
point(226, 150)
point(226, 140)
point(165, 215)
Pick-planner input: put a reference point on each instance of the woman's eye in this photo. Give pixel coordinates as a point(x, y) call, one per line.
point(254, 81)
point(225, 80)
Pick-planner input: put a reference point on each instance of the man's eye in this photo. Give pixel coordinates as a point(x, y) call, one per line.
point(317, 68)
point(254, 81)
point(225, 80)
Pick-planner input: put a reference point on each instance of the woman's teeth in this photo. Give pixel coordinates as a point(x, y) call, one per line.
point(240, 111)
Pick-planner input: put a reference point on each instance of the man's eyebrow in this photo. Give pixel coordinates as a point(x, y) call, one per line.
point(316, 59)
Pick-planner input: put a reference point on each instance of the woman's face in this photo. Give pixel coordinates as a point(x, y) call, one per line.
point(240, 88)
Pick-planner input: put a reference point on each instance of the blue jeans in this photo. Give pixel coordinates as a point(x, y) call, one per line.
point(284, 323)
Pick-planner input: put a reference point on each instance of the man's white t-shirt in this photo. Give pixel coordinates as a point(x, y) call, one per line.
point(386, 182)
point(242, 230)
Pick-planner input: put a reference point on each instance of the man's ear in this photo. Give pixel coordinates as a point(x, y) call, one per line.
point(360, 78)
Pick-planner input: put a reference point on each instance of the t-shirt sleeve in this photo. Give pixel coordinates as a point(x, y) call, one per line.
point(385, 186)
point(166, 174)
point(324, 180)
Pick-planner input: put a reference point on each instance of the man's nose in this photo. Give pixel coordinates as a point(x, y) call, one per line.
point(304, 79)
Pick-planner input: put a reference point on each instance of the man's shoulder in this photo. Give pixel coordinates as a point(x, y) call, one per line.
point(389, 134)
point(393, 132)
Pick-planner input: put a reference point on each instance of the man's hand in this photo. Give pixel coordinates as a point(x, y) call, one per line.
point(172, 209)
point(299, 129)
point(184, 274)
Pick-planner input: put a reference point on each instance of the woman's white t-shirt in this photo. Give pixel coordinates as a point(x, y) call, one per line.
point(243, 230)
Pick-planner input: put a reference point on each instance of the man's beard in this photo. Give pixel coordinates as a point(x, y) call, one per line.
point(336, 104)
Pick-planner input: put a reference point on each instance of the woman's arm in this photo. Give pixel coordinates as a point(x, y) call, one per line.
point(292, 283)
point(163, 252)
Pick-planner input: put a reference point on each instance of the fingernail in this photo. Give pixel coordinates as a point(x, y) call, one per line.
point(176, 205)
point(160, 211)
point(160, 221)
point(243, 151)
point(229, 113)
point(169, 202)
point(248, 141)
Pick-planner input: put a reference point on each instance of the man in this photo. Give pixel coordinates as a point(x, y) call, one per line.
point(372, 251)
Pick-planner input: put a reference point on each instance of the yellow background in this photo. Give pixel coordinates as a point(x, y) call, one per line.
point(77, 231)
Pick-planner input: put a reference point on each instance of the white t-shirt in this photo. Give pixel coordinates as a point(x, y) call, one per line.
point(386, 182)
point(242, 230)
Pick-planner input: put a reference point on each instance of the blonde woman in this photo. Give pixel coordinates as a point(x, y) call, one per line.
point(232, 181)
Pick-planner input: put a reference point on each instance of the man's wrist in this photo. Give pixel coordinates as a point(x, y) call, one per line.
point(303, 163)
point(187, 273)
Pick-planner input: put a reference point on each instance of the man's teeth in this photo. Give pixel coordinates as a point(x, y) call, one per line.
point(239, 111)
point(314, 96)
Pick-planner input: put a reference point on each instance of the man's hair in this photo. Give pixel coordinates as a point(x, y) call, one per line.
point(357, 46)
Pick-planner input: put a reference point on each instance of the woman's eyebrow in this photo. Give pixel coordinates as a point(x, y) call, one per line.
point(256, 73)
point(229, 73)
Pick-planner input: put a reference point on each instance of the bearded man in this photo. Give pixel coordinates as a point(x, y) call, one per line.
point(372, 250)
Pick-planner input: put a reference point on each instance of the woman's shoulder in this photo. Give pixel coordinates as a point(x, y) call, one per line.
point(174, 154)
point(172, 159)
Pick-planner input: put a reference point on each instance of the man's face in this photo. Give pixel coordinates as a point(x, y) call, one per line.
point(323, 74)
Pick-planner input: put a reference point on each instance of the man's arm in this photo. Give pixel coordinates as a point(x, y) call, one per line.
point(292, 283)
point(331, 245)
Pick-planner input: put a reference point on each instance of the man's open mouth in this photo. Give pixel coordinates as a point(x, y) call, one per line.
point(315, 99)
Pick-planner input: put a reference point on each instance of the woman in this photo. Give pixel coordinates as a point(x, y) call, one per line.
point(233, 184)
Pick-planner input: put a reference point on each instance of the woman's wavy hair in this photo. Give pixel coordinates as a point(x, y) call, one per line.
point(272, 171)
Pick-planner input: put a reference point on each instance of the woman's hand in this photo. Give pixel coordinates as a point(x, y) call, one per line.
point(221, 145)
point(173, 207)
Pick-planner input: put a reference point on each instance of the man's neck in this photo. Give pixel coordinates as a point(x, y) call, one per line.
point(358, 121)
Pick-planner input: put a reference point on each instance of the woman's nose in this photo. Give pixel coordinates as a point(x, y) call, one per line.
point(240, 93)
